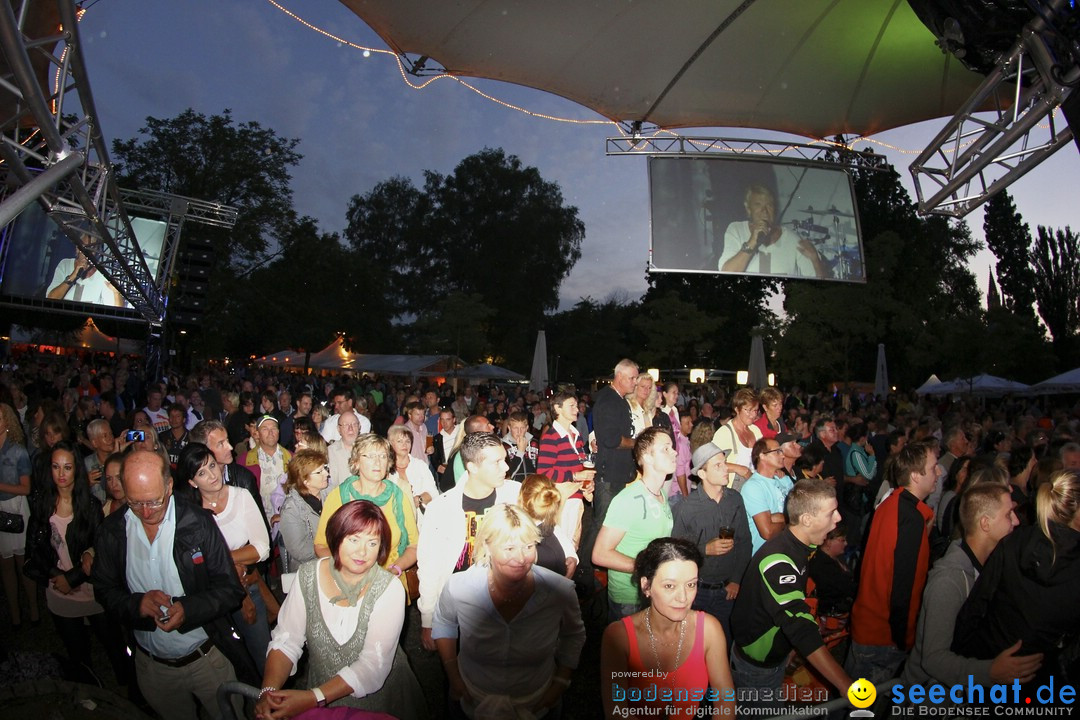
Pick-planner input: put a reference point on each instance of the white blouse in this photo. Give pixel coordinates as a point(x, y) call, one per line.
point(241, 522)
point(368, 673)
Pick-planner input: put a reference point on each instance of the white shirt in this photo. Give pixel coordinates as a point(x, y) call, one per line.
point(368, 673)
point(780, 258)
point(330, 430)
point(151, 566)
point(241, 523)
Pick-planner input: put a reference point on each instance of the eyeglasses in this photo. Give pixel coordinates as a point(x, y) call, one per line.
point(146, 504)
point(374, 457)
point(766, 452)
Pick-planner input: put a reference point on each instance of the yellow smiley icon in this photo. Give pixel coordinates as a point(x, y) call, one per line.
point(862, 694)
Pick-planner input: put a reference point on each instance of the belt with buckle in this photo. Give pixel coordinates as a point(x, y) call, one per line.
point(191, 657)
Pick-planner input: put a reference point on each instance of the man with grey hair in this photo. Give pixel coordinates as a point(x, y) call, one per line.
point(1070, 456)
point(613, 427)
point(761, 244)
point(104, 444)
point(164, 571)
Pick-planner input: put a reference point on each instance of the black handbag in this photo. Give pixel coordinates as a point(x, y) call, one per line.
point(11, 522)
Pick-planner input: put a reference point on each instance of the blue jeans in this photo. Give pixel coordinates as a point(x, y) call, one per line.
point(256, 637)
point(714, 601)
point(876, 663)
point(757, 686)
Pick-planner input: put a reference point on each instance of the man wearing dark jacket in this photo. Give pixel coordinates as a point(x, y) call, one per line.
point(164, 571)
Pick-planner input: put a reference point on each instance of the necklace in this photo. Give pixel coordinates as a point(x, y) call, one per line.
point(658, 495)
point(214, 503)
point(652, 640)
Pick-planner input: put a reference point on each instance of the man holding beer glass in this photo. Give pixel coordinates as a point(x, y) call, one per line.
point(714, 518)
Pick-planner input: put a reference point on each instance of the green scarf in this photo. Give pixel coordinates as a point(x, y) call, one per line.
point(391, 494)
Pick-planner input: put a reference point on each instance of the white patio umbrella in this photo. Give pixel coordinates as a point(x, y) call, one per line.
point(881, 375)
point(538, 378)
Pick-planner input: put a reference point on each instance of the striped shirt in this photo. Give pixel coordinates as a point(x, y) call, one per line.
point(561, 454)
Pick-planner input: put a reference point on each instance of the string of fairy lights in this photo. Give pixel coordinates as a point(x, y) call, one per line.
point(655, 132)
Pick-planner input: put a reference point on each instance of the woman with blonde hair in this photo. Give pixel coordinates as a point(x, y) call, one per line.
point(642, 401)
point(518, 660)
point(370, 464)
point(412, 474)
point(1024, 602)
point(543, 502)
point(737, 436)
point(308, 475)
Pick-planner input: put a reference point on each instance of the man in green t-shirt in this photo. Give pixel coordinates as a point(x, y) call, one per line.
point(637, 515)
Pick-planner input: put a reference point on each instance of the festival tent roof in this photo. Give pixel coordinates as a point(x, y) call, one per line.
point(980, 385)
point(335, 357)
point(88, 337)
point(813, 67)
point(486, 371)
point(931, 382)
point(1067, 382)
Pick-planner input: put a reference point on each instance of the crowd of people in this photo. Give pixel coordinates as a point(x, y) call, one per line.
point(275, 528)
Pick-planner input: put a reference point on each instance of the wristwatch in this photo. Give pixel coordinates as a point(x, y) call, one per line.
point(747, 249)
point(320, 699)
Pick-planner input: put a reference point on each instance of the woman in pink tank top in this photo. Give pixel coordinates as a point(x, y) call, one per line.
point(667, 655)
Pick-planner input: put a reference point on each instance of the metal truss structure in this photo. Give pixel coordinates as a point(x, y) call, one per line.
point(57, 153)
point(978, 154)
point(826, 153)
point(52, 151)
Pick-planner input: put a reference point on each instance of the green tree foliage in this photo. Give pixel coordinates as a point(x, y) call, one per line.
point(674, 331)
point(211, 158)
point(918, 291)
point(493, 228)
point(588, 339)
point(739, 304)
point(1008, 237)
point(1057, 289)
point(458, 324)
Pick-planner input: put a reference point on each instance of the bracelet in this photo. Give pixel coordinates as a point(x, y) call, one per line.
point(565, 682)
point(320, 698)
point(396, 569)
point(268, 688)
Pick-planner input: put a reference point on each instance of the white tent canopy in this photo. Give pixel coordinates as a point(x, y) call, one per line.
point(811, 67)
point(1067, 382)
point(979, 385)
point(335, 357)
point(931, 382)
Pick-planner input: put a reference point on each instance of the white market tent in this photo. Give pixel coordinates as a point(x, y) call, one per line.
point(931, 382)
point(979, 385)
point(335, 357)
point(812, 67)
point(1067, 382)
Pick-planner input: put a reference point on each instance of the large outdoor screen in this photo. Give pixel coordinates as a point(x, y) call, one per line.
point(755, 217)
point(42, 262)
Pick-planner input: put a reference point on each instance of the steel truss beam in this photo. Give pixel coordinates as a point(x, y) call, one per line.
point(44, 129)
point(978, 154)
point(670, 146)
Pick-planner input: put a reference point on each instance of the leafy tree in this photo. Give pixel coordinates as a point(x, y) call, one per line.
point(455, 325)
point(211, 158)
point(1057, 288)
point(918, 291)
point(1008, 237)
point(740, 304)
point(589, 338)
point(493, 227)
point(674, 332)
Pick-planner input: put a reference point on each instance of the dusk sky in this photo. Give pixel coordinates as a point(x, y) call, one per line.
point(359, 122)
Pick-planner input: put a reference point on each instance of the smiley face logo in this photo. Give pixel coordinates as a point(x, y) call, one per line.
point(862, 694)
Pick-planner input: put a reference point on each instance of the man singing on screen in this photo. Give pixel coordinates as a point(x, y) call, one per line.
point(762, 245)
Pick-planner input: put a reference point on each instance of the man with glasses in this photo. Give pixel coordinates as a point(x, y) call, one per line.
point(163, 570)
point(344, 402)
point(764, 493)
